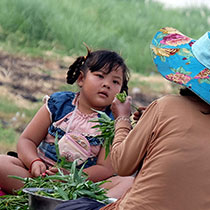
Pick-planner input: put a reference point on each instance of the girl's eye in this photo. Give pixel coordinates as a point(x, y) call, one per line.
point(116, 82)
point(100, 75)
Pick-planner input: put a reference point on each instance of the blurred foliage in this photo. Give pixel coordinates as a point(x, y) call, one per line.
point(13, 119)
point(124, 26)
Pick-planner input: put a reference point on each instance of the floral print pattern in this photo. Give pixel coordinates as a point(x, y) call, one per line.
point(164, 51)
point(178, 78)
point(172, 37)
point(175, 39)
point(173, 55)
point(169, 30)
point(204, 74)
point(182, 77)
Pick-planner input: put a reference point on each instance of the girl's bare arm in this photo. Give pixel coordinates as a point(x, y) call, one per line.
point(102, 170)
point(31, 137)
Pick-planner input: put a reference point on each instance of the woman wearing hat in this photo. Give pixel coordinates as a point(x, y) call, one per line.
point(172, 137)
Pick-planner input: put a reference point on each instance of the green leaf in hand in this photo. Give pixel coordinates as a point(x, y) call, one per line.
point(121, 96)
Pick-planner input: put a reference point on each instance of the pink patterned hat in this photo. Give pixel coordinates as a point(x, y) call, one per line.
point(183, 60)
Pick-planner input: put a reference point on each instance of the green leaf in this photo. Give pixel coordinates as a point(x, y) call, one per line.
point(103, 115)
point(121, 96)
point(56, 145)
point(63, 194)
point(17, 177)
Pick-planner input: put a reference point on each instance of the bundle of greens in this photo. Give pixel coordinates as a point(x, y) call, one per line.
point(121, 96)
point(106, 126)
point(66, 187)
point(14, 202)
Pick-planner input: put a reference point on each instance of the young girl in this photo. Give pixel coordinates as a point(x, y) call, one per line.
point(100, 76)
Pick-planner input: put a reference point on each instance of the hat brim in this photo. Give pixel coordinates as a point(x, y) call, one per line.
point(172, 53)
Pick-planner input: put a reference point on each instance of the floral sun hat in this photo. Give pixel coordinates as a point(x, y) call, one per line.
point(182, 60)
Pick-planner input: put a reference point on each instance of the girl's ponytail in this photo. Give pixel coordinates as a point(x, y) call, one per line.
point(74, 70)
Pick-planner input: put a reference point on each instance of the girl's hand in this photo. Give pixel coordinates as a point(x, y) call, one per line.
point(137, 114)
point(121, 109)
point(38, 168)
point(54, 170)
point(51, 171)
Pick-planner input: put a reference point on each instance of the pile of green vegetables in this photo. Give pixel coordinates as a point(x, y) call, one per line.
point(66, 187)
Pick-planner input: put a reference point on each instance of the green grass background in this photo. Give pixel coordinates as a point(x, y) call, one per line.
point(126, 26)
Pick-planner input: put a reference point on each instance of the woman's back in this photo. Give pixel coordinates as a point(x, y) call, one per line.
point(175, 173)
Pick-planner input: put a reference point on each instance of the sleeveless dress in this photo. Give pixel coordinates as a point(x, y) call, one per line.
point(61, 106)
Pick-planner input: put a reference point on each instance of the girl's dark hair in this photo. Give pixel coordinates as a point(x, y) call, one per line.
point(95, 61)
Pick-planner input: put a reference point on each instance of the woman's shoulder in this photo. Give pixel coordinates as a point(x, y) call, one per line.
point(164, 101)
point(174, 103)
point(170, 99)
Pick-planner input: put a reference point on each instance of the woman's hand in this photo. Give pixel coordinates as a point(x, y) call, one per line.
point(121, 109)
point(137, 114)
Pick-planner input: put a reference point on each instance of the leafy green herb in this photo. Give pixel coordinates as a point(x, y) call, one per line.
point(106, 127)
point(11, 202)
point(121, 96)
point(66, 187)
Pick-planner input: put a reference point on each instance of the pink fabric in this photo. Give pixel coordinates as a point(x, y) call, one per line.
point(80, 124)
point(2, 193)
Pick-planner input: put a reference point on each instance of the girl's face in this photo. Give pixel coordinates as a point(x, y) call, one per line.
point(98, 89)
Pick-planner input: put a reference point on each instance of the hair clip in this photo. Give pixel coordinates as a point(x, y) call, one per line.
point(88, 51)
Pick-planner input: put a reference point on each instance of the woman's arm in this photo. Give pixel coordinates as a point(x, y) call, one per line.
point(129, 147)
point(31, 137)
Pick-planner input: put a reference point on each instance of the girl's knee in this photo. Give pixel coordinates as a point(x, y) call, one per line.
point(119, 186)
point(4, 159)
point(126, 180)
point(123, 181)
point(7, 160)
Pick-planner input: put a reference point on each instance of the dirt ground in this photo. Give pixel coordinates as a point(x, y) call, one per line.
point(26, 79)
